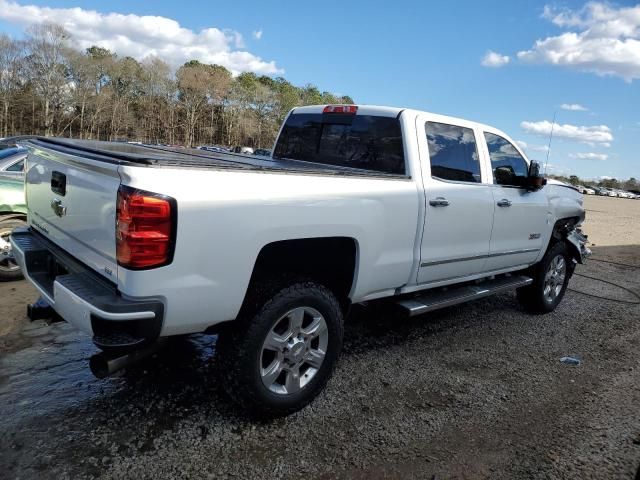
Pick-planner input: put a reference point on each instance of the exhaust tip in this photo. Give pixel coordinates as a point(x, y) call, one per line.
point(102, 364)
point(99, 365)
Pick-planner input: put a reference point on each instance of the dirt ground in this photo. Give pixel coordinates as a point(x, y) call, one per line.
point(471, 392)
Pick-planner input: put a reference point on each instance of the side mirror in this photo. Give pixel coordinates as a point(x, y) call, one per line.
point(504, 175)
point(535, 180)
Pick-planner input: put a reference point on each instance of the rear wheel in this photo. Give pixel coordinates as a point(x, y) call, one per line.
point(9, 269)
point(550, 279)
point(279, 359)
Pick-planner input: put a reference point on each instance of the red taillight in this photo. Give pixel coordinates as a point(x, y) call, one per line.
point(353, 109)
point(145, 227)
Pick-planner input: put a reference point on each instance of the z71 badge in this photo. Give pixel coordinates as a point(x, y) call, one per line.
point(534, 236)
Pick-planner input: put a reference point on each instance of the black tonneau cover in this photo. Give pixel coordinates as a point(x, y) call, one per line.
point(159, 155)
point(147, 154)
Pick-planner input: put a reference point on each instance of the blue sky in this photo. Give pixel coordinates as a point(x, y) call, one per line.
point(424, 55)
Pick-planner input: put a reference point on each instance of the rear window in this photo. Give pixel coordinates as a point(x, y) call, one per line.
point(356, 141)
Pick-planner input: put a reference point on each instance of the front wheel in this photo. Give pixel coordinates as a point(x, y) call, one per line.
point(550, 279)
point(9, 269)
point(279, 359)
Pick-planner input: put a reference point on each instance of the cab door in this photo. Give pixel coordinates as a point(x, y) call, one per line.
point(521, 217)
point(459, 202)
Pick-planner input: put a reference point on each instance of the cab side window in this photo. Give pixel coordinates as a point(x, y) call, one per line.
point(453, 152)
point(507, 165)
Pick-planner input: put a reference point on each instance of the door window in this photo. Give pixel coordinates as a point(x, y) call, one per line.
point(453, 152)
point(507, 165)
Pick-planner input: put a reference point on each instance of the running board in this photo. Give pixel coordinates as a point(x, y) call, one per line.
point(445, 297)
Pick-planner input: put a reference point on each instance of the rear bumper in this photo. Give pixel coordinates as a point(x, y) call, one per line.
point(83, 298)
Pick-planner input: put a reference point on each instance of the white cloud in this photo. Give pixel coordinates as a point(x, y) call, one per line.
point(532, 148)
point(598, 134)
point(257, 34)
point(143, 36)
point(574, 107)
point(554, 169)
point(600, 38)
point(493, 59)
point(589, 156)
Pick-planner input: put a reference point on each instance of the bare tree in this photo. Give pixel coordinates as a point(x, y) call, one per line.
point(11, 53)
point(157, 101)
point(200, 87)
point(47, 43)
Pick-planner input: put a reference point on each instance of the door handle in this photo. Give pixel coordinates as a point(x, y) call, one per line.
point(504, 203)
point(439, 202)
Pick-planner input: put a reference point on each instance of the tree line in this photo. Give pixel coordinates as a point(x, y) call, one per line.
point(630, 184)
point(49, 88)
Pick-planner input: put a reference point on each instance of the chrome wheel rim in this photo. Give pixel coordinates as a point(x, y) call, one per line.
point(554, 278)
point(293, 350)
point(7, 262)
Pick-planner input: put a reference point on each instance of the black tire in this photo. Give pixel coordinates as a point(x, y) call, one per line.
point(241, 354)
point(533, 297)
point(9, 270)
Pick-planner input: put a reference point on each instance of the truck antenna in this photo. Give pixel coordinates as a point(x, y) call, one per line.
point(553, 123)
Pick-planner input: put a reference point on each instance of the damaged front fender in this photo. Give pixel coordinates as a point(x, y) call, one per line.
point(577, 242)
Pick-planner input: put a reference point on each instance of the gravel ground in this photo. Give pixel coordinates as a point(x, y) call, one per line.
point(474, 391)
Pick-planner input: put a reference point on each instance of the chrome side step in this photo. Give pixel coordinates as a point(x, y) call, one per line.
point(445, 297)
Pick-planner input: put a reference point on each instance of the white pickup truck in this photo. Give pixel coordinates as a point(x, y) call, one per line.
point(134, 243)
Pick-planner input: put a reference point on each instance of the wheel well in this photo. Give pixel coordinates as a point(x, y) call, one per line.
point(328, 260)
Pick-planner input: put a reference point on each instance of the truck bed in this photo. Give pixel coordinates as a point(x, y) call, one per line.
point(164, 156)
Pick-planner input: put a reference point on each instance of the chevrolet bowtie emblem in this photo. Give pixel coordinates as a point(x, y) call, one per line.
point(57, 207)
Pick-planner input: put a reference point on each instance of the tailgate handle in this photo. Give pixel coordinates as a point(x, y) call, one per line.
point(58, 183)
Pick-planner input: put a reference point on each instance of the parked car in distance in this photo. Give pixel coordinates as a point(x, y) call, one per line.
point(12, 161)
point(213, 148)
point(263, 152)
point(625, 194)
point(241, 149)
point(357, 204)
point(586, 190)
point(13, 214)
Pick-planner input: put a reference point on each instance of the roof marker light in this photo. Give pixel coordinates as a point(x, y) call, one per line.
point(351, 109)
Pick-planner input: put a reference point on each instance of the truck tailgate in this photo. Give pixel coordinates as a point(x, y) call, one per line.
point(72, 202)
